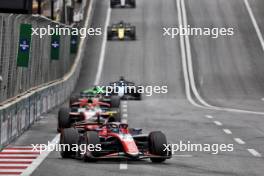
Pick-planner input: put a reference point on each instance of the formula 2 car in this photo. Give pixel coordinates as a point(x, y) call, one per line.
point(126, 90)
point(121, 31)
point(86, 109)
point(96, 93)
point(122, 3)
point(114, 141)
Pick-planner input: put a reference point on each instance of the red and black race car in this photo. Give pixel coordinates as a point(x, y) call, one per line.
point(113, 140)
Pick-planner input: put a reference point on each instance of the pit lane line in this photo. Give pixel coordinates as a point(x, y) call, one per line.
point(188, 68)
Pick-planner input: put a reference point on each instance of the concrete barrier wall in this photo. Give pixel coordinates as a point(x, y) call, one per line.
point(18, 115)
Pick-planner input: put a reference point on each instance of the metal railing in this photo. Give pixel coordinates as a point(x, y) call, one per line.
point(53, 87)
point(17, 80)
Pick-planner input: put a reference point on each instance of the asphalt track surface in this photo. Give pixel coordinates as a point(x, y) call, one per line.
point(228, 72)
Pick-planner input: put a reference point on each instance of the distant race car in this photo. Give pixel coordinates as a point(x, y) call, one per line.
point(121, 31)
point(126, 90)
point(122, 3)
point(114, 140)
point(98, 93)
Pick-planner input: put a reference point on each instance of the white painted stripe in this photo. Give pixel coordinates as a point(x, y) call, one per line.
point(124, 120)
point(254, 152)
point(125, 102)
point(239, 141)
point(191, 83)
point(209, 116)
point(124, 110)
point(184, 64)
point(218, 123)
point(255, 24)
point(103, 48)
point(14, 155)
point(184, 156)
point(227, 131)
point(41, 158)
point(14, 164)
point(125, 115)
point(11, 170)
point(124, 105)
point(123, 165)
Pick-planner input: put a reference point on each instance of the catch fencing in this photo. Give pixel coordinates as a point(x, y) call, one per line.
point(41, 86)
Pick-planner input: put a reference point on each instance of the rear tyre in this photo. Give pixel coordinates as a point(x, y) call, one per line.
point(133, 33)
point(92, 138)
point(109, 33)
point(133, 3)
point(73, 99)
point(63, 119)
point(156, 146)
point(69, 136)
point(115, 101)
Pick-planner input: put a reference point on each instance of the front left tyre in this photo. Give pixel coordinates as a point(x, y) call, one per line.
point(157, 140)
point(69, 138)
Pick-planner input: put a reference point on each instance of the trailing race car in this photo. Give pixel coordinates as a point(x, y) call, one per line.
point(125, 90)
point(96, 93)
point(87, 109)
point(115, 141)
point(121, 31)
point(122, 3)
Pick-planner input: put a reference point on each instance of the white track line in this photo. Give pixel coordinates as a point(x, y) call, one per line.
point(218, 123)
point(124, 110)
point(239, 141)
point(209, 116)
point(255, 24)
point(103, 48)
point(254, 152)
point(227, 131)
point(184, 64)
point(123, 165)
point(183, 22)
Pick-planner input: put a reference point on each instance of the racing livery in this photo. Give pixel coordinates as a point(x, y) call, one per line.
point(121, 31)
point(116, 141)
point(126, 90)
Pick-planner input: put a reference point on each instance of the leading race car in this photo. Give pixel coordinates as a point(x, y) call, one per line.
point(122, 3)
point(126, 90)
point(121, 31)
point(114, 140)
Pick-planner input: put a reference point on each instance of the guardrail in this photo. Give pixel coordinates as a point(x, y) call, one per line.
point(19, 114)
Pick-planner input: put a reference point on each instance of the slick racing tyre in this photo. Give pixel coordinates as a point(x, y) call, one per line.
point(73, 99)
point(133, 33)
point(69, 136)
point(156, 146)
point(63, 119)
point(92, 138)
point(115, 101)
point(133, 3)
